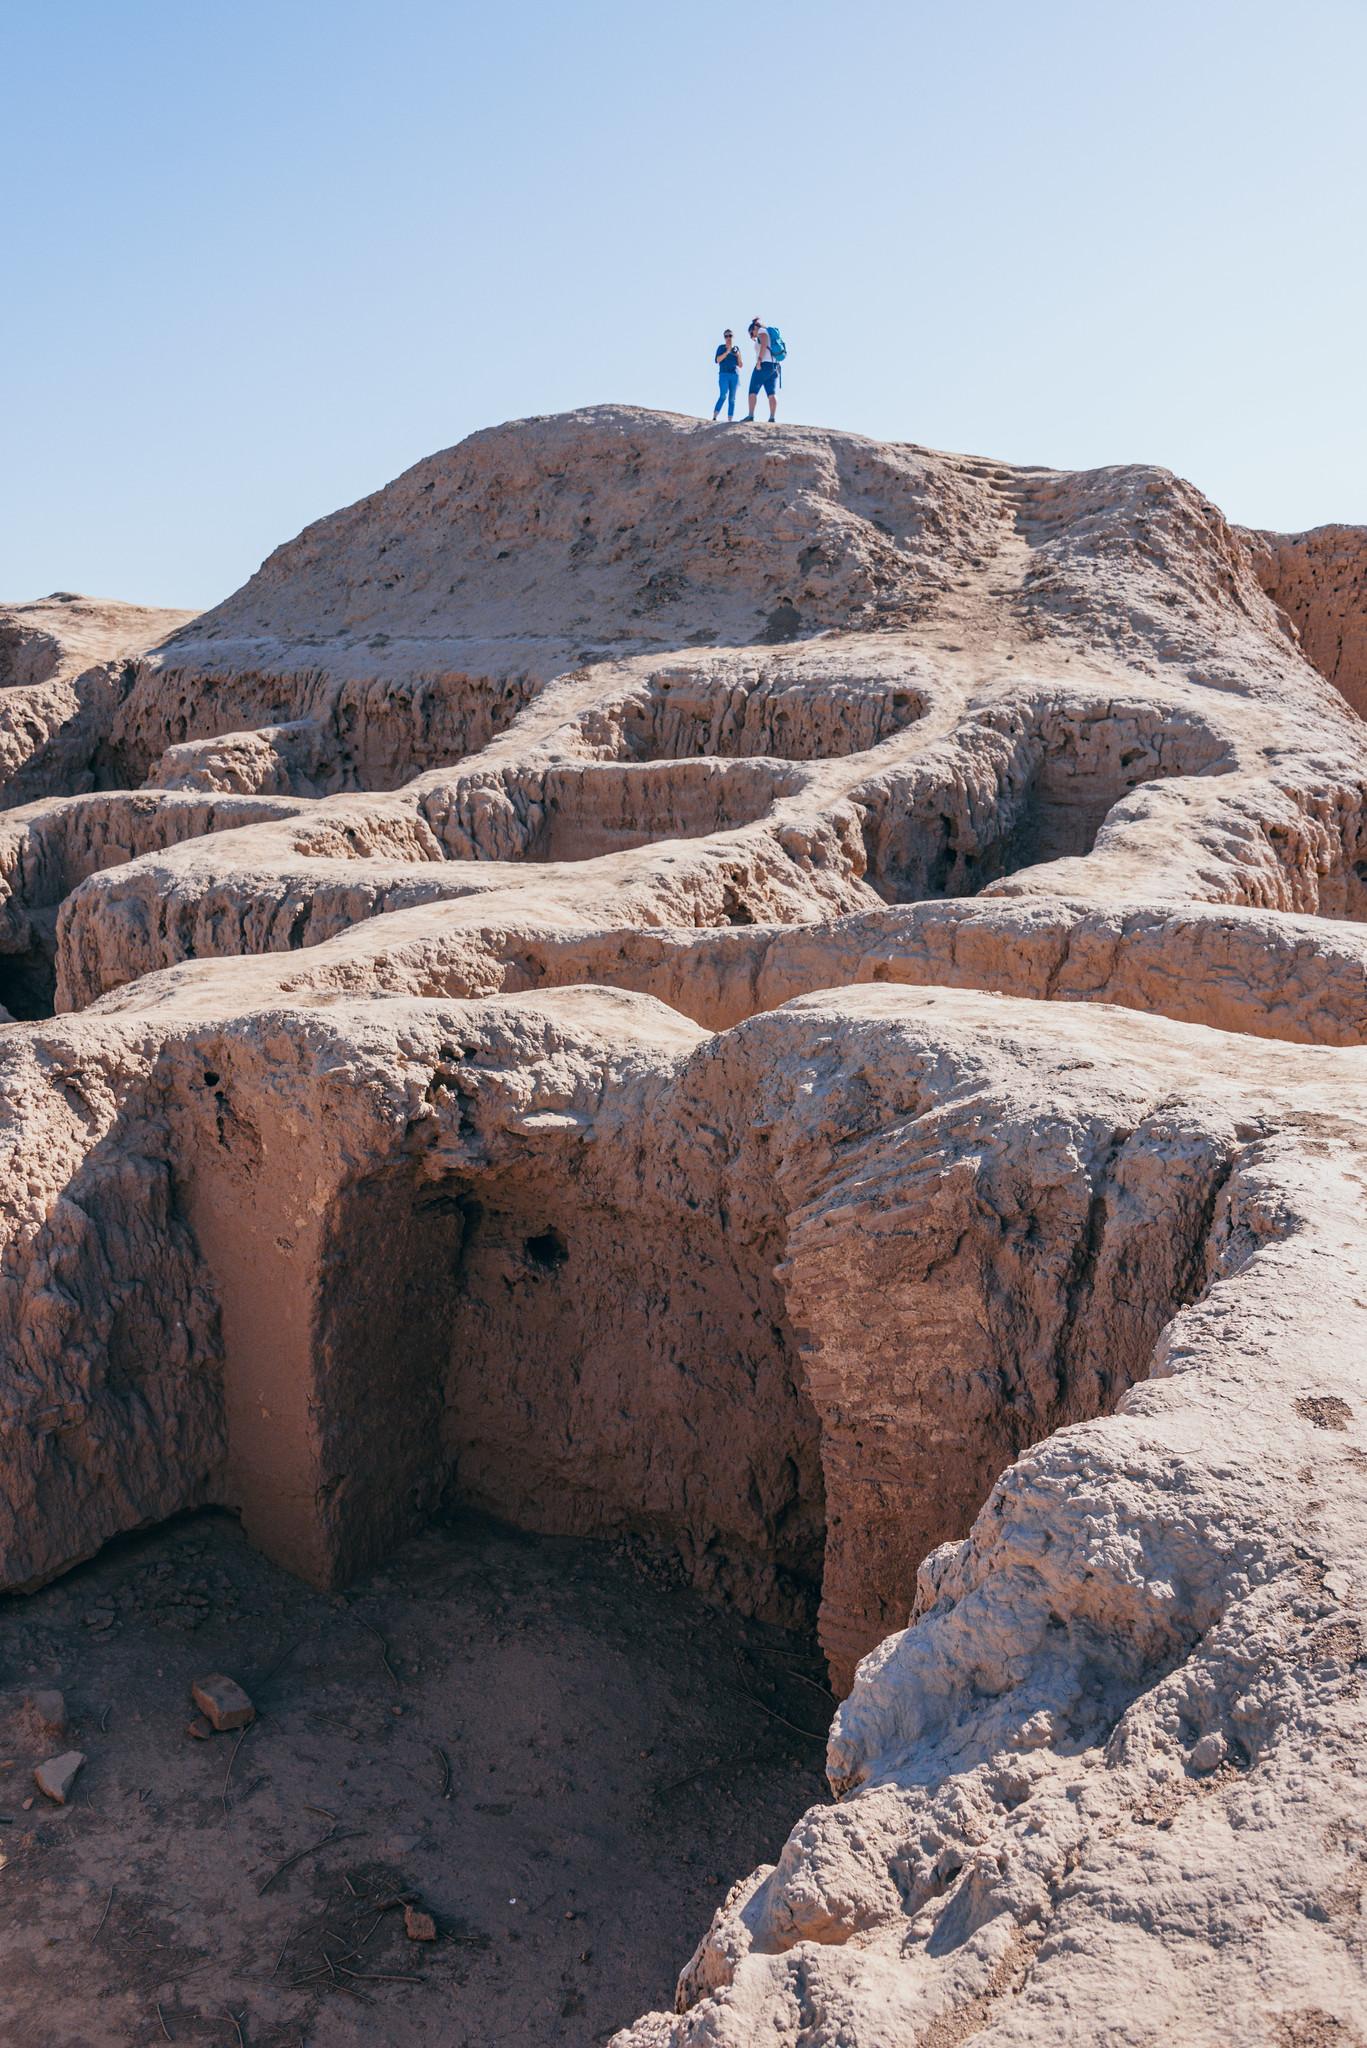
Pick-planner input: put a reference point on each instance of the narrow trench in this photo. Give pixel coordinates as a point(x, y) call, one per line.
point(927, 842)
point(685, 715)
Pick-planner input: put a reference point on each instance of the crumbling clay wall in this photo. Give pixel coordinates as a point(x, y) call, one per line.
point(1319, 579)
point(111, 1395)
point(806, 1000)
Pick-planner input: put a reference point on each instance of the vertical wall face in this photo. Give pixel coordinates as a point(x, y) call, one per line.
point(968, 1313)
point(1320, 579)
point(387, 1298)
point(624, 1368)
point(800, 1352)
point(111, 1402)
point(255, 1201)
point(111, 1393)
point(337, 1306)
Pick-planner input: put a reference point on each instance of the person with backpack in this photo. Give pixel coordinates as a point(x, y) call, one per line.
point(727, 359)
point(770, 349)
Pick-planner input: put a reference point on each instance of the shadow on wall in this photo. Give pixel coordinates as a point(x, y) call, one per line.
point(613, 1370)
point(568, 1367)
point(28, 976)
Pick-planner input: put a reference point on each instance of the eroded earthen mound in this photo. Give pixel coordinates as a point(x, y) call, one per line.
point(805, 1000)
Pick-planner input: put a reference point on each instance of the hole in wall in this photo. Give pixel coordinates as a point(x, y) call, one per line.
point(546, 1251)
point(28, 983)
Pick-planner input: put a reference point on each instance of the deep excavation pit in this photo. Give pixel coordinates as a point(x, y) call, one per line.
point(580, 1341)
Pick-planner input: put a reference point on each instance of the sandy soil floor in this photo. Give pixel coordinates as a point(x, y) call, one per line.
point(554, 1749)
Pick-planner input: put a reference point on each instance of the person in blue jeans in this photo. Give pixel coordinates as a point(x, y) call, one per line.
point(727, 360)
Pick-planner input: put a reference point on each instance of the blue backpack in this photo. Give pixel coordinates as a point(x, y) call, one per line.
point(778, 347)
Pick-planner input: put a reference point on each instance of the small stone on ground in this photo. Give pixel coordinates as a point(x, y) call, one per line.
point(57, 1776)
point(417, 1925)
point(223, 1701)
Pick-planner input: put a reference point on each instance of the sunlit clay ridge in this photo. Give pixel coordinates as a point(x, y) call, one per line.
point(801, 1002)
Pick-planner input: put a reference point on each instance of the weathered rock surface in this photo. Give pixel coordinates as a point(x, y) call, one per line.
point(223, 1702)
point(1320, 580)
point(804, 999)
point(66, 663)
point(58, 1774)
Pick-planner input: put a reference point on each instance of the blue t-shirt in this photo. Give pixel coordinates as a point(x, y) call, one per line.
point(727, 356)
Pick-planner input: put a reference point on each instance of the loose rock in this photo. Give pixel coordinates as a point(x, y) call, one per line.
point(1210, 1752)
point(56, 1777)
point(223, 1702)
point(417, 1925)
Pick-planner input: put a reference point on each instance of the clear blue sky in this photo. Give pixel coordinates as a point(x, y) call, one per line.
point(260, 255)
